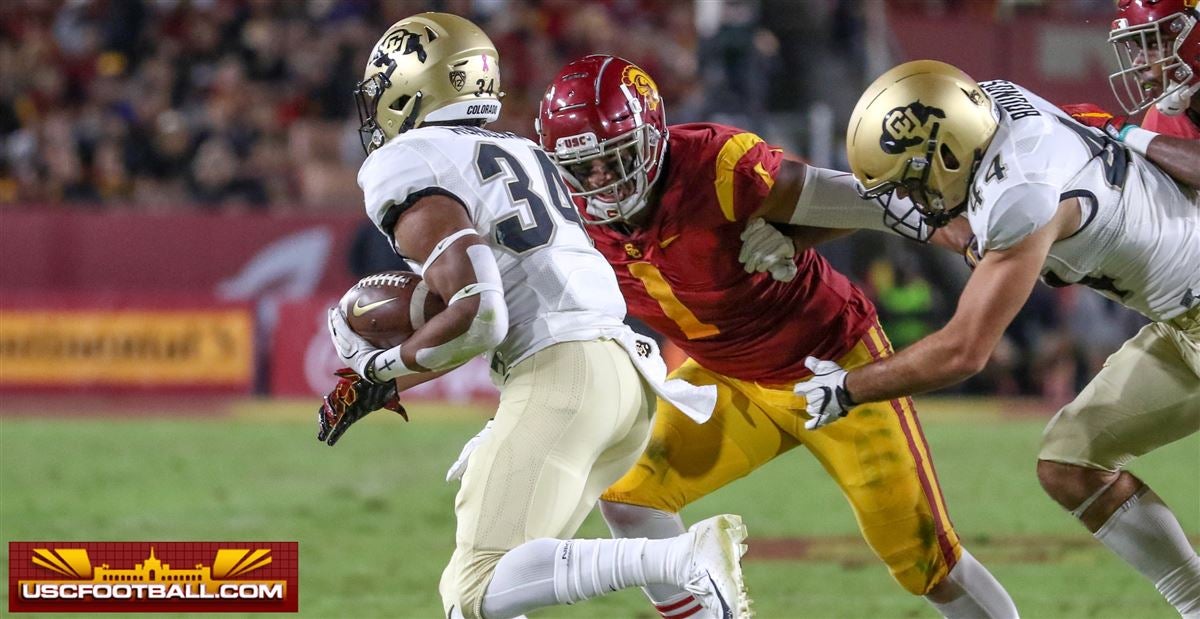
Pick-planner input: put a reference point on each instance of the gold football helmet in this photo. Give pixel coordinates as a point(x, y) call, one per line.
point(921, 128)
point(430, 67)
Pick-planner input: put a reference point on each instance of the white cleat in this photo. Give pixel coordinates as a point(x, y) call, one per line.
point(715, 574)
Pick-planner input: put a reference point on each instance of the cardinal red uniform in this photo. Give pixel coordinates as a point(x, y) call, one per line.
point(748, 334)
point(681, 276)
point(1185, 125)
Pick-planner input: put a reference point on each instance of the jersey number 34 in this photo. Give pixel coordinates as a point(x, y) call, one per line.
point(511, 232)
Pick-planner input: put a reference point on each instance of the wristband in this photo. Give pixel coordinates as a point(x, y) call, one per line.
point(387, 366)
point(1136, 138)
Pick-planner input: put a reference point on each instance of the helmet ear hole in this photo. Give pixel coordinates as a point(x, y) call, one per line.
point(949, 161)
point(399, 103)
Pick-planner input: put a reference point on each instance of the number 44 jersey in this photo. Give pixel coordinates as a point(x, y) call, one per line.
point(557, 287)
point(1138, 241)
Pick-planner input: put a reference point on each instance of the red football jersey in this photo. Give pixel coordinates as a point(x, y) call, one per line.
point(1181, 126)
point(681, 276)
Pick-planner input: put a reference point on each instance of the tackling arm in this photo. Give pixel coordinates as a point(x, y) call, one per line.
point(808, 196)
point(1178, 157)
point(995, 293)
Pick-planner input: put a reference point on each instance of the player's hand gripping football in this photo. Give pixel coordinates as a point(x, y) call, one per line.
point(765, 248)
point(352, 399)
point(825, 395)
point(354, 350)
point(459, 467)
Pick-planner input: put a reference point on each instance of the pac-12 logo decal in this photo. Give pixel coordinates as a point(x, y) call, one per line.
point(641, 82)
point(904, 127)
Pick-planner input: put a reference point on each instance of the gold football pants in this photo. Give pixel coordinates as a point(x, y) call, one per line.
point(877, 455)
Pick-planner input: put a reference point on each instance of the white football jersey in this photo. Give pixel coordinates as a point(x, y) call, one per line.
point(557, 286)
point(1138, 242)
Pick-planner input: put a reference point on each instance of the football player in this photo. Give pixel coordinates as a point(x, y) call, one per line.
point(488, 218)
point(668, 207)
point(1158, 47)
point(1045, 197)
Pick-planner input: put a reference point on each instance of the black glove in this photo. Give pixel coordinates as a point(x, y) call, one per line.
point(352, 399)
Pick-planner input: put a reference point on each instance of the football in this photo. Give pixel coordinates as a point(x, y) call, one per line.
point(387, 307)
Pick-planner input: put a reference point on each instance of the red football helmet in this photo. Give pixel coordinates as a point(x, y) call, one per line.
point(1158, 48)
point(602, 121)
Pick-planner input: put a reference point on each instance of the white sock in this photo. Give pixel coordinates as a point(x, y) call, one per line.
point(1145, 533)
point(625, 520)
point(982, 596)
point(545, 572)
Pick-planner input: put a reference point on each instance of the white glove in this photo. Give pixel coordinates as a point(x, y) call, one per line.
point(765, 248)
point(825, 393)
point(460, 465)
point(356, 352)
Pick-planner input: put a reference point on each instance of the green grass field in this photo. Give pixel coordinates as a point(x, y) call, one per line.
point(374, 521)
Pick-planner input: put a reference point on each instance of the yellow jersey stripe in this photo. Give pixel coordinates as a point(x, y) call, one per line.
point(731, 153)
point(660, 291)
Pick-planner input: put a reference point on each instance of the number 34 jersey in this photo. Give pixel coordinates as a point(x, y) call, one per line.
point(557, 287)
point(1138, 242)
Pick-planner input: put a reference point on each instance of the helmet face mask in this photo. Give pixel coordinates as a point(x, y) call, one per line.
point(1157, 43)
point(919, 132)
point(603, 123)
point(431, 67)
point(614, 177)
point(367, 97)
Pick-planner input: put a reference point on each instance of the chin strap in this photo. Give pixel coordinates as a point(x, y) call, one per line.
point(1175, 103)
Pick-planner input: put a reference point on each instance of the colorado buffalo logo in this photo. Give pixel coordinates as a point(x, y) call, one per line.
point(641, 82)
point(407, 43)
point(904, 127)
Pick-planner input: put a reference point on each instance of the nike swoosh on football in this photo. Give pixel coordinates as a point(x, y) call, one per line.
point(359, 310)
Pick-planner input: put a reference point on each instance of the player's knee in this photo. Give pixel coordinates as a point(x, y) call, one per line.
point(921, 568)
point(1069, 484)
point(627, 520)
point(918, 578)
point(464, 584)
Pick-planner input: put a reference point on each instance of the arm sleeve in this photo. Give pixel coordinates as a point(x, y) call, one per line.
point(830, 200)
point(1018, 212)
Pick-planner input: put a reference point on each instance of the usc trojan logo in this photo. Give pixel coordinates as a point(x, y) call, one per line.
point(904, 127)
point(641, 82)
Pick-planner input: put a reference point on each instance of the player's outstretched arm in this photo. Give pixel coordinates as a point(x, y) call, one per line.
point(805, 195)
point(994, 294)
point(1178, 157)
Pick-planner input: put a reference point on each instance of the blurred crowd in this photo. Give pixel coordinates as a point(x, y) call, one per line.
point(245, 104)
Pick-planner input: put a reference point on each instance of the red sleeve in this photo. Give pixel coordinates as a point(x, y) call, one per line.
point(754, 177)
point(745, 172)
point(1178, 126)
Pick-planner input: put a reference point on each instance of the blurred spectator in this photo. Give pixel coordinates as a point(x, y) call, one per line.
point(371, 253)
point(246, 104)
